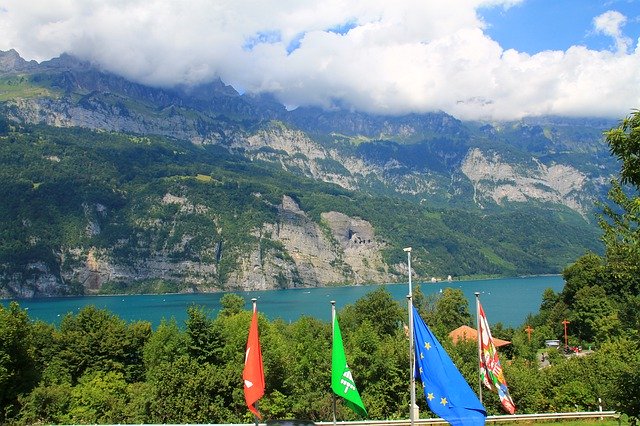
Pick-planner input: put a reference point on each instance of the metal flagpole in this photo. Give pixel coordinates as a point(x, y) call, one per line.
point(408, 250)
point(479, 345)
point(412, 385)
point(333, 336)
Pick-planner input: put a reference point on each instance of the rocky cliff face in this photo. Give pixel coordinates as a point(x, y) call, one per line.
point(338, 250)
point(494, 179)
point(11, 62)
point(295, 251)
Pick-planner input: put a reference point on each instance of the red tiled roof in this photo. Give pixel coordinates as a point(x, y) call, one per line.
point(467, 333)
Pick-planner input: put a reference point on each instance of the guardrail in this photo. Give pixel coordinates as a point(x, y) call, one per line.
point(490, 419)
point(556, 416)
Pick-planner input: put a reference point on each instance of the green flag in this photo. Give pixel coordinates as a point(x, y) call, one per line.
point(341, 379)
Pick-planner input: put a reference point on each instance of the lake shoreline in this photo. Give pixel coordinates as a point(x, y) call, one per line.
point(418, 282)
point(505, 300)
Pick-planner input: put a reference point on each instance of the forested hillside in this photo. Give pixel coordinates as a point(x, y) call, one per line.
point(89, 211)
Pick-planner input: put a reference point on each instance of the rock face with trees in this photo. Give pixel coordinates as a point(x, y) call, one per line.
point(88, 212)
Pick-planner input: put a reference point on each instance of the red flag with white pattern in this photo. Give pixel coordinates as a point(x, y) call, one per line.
point(253, 375)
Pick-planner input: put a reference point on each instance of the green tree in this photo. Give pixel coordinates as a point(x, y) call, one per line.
point(378, 308)
point(549, 299)
point(18, 372)
point(234, 330)
point(620, 221)
point(623, 390)
point(602, 293)
point(45, 342)
point(172, 396)
point(587, 271)
point(377, 350)
point(624, 142)
point(451, 310)
point(379, 367)
point(99, 397)
point(629, 315)
point(166, 344)
point(419, 300)
point(528, 386)
point(204, 340)
point(590, 307)
point(134, 340)
point(305, 348)
point(522, 347)
point(231, 304)
point(96, 339)
point(185, 391)
point(46, 404)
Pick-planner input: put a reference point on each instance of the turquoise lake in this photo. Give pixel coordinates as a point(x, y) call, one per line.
point(506, 300)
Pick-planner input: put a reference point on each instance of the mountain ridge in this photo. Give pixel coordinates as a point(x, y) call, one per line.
point(551, 165)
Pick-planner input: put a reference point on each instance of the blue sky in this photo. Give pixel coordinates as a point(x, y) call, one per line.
point(537, 25)
point(474, 59)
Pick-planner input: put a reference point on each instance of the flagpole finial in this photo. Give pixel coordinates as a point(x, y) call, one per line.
point(333, 302)
point(477, 293)
point(254, 299)
point(407, 249)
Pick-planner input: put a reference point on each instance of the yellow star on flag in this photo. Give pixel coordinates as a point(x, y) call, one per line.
point(443, 401)
point(427, 345)
point(430, 396)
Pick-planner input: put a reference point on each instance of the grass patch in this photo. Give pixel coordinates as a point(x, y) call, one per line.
point(580, 422)
point(496, 260)
point(20, 87)
point(583, 422)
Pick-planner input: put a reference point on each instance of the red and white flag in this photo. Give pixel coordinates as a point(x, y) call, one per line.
point(253, 374)
point(490, 368)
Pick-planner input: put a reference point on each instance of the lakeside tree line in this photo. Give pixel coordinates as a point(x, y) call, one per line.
point(96, 368)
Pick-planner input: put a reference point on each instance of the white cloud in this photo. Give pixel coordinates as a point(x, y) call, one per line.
point(610, 23)
point(372, 55)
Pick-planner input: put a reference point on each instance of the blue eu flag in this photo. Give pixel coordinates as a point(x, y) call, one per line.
point(448, 394)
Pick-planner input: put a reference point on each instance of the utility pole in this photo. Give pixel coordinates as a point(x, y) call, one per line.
point(566, 345)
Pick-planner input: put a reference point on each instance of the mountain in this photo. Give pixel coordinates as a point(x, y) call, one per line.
point(112, 184)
